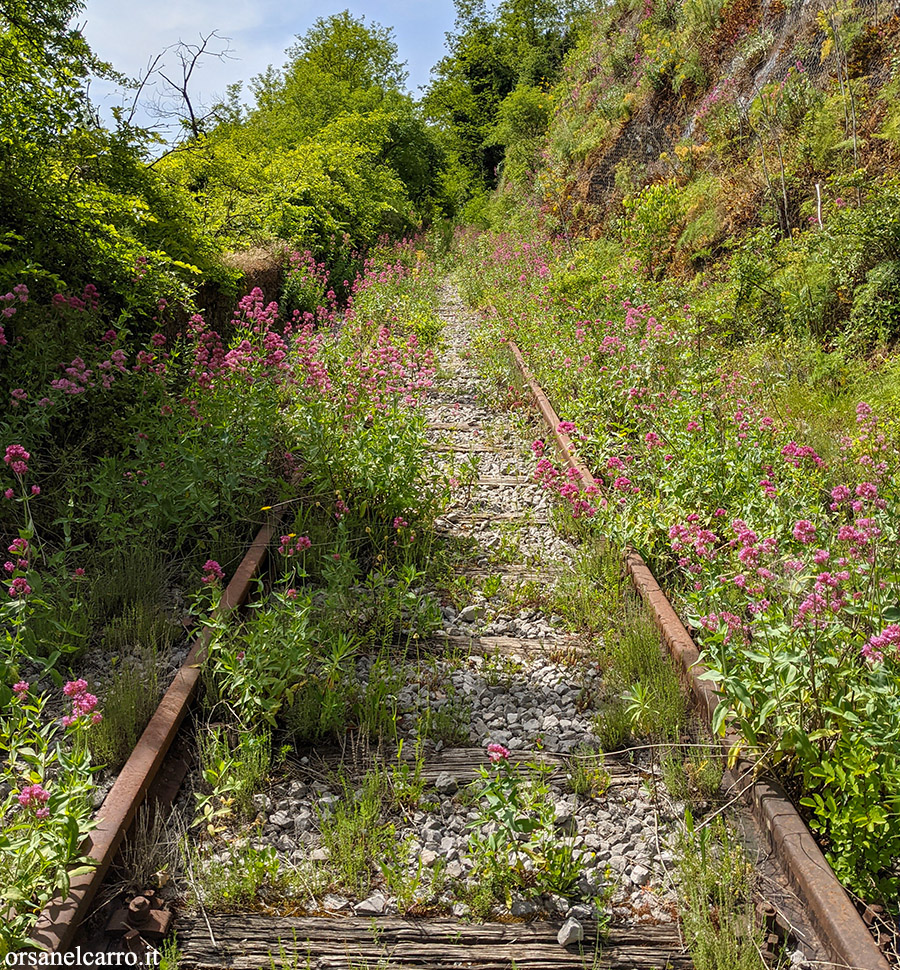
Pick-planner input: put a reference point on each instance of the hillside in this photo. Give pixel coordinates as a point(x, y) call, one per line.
point(752, 140)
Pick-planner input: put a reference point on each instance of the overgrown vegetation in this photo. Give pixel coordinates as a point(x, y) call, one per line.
point(694, 239)
point(714, 316)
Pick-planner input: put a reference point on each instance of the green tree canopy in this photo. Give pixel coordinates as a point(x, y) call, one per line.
point(333, 146)
point(492, 51)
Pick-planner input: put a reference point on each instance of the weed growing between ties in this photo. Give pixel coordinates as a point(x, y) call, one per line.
point(513, 840)
point(587, 777)
point(717, 886)
point(641, 695)
point(356, 836)
point(241, 875)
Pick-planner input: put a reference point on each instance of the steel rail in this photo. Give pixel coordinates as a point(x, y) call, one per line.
point(61, 918)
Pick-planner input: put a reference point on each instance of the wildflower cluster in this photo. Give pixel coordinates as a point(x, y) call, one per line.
point(83, 704)
point(212, 573)
point(45, 803)
point(35, 797)
point(579, 498)
point(292, 544)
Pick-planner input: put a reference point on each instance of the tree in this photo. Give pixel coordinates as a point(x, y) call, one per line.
point(77, 201)
point(334, 147)
point(521, 42)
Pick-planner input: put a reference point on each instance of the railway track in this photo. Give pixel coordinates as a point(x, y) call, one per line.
point(502, 668)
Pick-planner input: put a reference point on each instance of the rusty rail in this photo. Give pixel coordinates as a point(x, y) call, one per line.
point(61, 918)
point(834, 916)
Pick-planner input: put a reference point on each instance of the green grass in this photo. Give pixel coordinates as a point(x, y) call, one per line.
point(356, 835)
point(693, 775)
point(249, 876)
point(717, 886)
point(128, 702)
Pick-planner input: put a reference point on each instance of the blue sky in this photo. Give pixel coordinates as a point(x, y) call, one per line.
point(128, 33)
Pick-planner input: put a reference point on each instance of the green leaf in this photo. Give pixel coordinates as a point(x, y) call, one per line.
point(719, 717)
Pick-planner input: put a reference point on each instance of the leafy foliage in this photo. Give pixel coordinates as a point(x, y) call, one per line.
point(333, 146)
point(513, 53)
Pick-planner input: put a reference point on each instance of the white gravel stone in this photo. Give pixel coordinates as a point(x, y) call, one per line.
point(373, 905)
point(571, 932)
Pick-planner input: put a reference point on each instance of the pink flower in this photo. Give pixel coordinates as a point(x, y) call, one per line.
point(868, 652)
point(566, 427)
point(19, 587)
point(21, 687)
point(291, 544)
point(496, 752)
point(16, 457)
point(710, 622)
point(9, 493)
point(889, 637)
point(400, 522)
point(33, 796)
point(867, 490)
point(212, 572)
point(804, 531)
point(78, 572)
point(35, 489)
point(83, 703)
point(291, 594)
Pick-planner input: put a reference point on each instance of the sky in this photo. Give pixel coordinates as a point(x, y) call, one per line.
point(129, 33)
